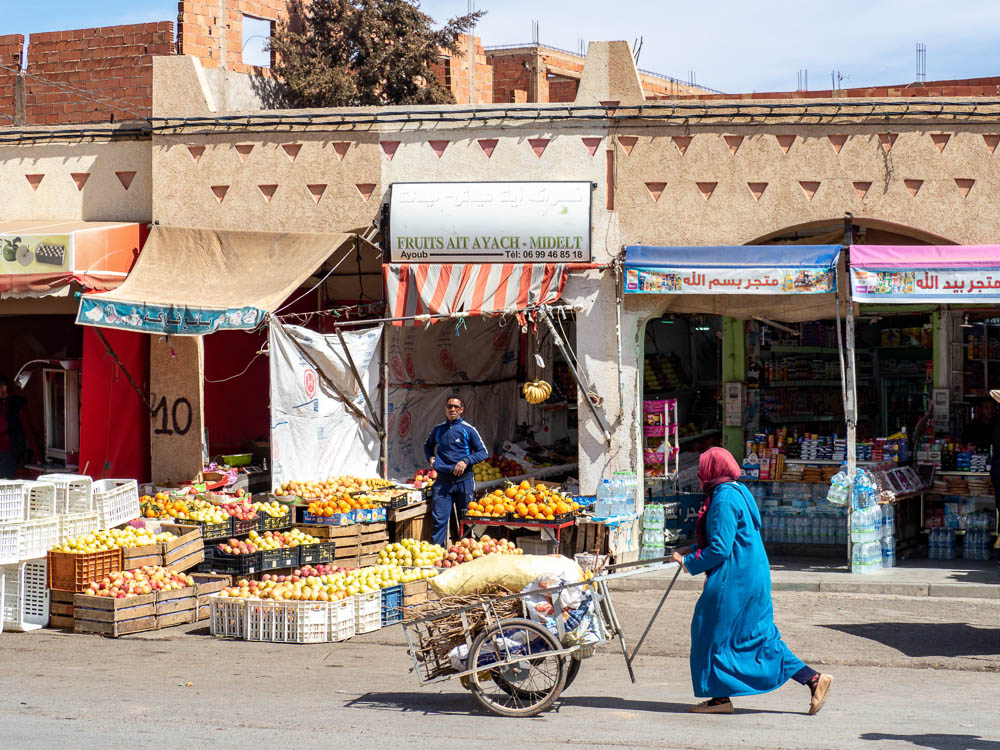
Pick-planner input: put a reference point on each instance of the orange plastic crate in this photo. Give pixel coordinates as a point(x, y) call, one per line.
point(70, 572)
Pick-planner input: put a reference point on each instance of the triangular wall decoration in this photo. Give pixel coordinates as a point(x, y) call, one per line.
point(757, 189)
point(341, 148)
point(734, 142)
point(196, 152)
point(438, 147)
point(706, 189)
point(34, 180)
point(389, 148)
point(991, 142)
point(592, 144)
point(964, 185)
point(655, 190)
point(682, 142)
point(125, 178)
point(628, 143)
point(267, 191)
point(809, 187)
point(538, 145)
point(861, 188)
point(940, 140)
point(366, 189)
point(913, 186)
point(80, 178)
point(244, 149)
point(316, 191)
point(488, 145)
point(291, 150)
point(785, 142)
point(220, 191)
point(837, 142)
point(887, 140)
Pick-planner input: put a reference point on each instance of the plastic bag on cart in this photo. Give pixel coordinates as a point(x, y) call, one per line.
point(514, 645)
point(513, 571)
point(570, 614)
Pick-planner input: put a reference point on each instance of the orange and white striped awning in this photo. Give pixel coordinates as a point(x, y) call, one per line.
point(471, 289)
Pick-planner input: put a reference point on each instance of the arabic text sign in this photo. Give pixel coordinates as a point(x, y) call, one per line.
point(35, 253)
point(729, 280)
point(490, 222)
point(929, 285)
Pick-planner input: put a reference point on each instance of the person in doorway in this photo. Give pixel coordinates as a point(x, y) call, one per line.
point(452, 448)
point(979, 432)
point(735, 647)
point(15, 431)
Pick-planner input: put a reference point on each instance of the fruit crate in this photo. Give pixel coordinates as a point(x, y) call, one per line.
point(236, 565)
point(11, 501)
point(114, 617)
point(370, 515)
point(368, 612)
point(74, 492)
point(40, 500)
point(38, 536)
point(10, 543)
point(116, 500)
point(207, 585)
point(210, 532)
point(287, 621)
point(557, 520)
point(337, 519)
point(283, 557)
point(241, 527)
point(25, 596)
point(311, 554)
point(227, 617)
point(392, 605)
point(502, 518)
point(75, 524)
point(274, 523)
point(72, 572)
point(343, 624)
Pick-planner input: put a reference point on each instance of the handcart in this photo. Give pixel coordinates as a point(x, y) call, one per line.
point(513, 665)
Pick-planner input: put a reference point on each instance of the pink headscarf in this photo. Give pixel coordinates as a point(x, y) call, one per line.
point(716, 466)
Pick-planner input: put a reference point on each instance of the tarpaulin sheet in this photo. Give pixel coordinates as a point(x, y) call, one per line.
point(42, 258)
point(925, 273)
point(742, 269)
point(196, 281)
point(314, 435)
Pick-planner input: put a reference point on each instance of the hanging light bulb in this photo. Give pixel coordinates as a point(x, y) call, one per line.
point(965, 322)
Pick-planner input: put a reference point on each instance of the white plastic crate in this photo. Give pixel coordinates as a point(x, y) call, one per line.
point(38, 536)
point(11, 501)
point(227, 616)
point(368, 612)
point(10, 543)
point(39, 500)
point(3, 589)
point(74, 492)
point(343, 624)
point(74, 524)
point(26, 599)
point(116, 500)
point(288, 622)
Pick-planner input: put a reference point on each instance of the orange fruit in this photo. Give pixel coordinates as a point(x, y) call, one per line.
point(525, 485)
point(511, 492)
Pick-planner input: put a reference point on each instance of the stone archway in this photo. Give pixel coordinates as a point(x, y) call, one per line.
point(866, 232)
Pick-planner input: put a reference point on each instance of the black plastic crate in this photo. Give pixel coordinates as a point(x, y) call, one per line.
point(558, 520)
point(312, 554)
point(487, 519)
point(210, 531)
point(284, 557)
point(245, 527)
point(278, 523)
point(237, 565)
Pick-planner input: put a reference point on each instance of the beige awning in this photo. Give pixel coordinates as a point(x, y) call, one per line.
point(196, 281)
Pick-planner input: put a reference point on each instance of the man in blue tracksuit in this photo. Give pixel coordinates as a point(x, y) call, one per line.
point(452, 448)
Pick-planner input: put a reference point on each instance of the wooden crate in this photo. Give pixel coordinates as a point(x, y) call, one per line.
point(346, 535)
point(139, 557)
point(114, 617)
point(406, 512)
point(60, 622)
point(366, 560)
point(61, 609)
point(586, 536)
point(180, 550)
point(208, 584)
point(187, 562)
point(412, 522)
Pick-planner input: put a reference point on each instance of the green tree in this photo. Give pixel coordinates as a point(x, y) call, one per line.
point(364, 52)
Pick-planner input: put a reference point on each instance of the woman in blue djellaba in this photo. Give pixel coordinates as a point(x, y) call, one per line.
point(735, 647)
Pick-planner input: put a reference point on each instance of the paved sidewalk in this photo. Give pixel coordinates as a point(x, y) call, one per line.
point(951, 578)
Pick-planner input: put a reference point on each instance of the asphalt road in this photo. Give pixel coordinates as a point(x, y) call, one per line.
point(908, 673)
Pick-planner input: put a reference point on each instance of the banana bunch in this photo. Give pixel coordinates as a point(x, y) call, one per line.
point(536, 391)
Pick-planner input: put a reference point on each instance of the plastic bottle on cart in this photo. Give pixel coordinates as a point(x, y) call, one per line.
point(605, 495)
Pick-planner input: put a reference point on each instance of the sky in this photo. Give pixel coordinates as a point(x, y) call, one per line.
point(730, 45)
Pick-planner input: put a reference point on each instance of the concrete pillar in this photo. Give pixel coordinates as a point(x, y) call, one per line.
point(733, 370)
point(177, 387)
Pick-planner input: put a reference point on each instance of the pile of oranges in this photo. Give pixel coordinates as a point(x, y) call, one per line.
point(339, 504)
point(162, 505)
point(332, 488)
point(538, 503)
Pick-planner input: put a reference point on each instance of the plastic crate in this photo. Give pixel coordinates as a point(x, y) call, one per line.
point(311, 554)
point(237, 565)
point(273, 523)
point(3, 589)
point(241, 527)
point(11, 501)
point(283, 557)
point(10, 543)
point(227, 616)
point(392, 605)
point(71, 572)
point(343, 623)
point(26, 596)
point(238, 459)
point(40, 500)
point(210, 532)
point(368, 612)
point(75, 524)
point(287, 621)
point(116, 500)
point(38, 536)
point(74, 492)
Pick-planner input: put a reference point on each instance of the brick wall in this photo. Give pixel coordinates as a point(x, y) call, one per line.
point(90, 75)
point(212, 30)
point(11, 47)
point(453, 71)
point(511, 75)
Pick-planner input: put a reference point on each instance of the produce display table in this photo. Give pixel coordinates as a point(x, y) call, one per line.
point(549, 531)
point(540, 473)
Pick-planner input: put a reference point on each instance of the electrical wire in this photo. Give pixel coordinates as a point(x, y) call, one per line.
point(311, 290)
point(239, 374)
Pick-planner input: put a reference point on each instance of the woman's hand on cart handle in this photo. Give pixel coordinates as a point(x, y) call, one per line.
point(678, 558)
point(683, 551)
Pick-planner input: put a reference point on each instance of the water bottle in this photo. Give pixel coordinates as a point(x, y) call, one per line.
point(618, 504)
point(888, 552)
point(839, 487)
point(888, 520)
point(605, 493)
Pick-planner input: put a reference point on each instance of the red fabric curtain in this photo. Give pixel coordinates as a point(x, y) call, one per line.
point(114, 421)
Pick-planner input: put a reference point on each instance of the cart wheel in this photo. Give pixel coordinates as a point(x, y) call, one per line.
point(573, 669)
point(571, 665)
point(521, 688)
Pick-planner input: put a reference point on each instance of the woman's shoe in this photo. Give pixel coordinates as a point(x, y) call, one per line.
point(819, 693)
point(712, 707)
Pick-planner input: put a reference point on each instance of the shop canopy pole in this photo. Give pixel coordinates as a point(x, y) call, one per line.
point(851, 393)
point(361, 383)
point(384, 385)
point(576, 375)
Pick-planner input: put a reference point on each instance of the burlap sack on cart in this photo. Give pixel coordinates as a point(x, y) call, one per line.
point(513, 571)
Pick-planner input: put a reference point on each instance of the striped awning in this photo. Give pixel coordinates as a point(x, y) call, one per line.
point(470, 289)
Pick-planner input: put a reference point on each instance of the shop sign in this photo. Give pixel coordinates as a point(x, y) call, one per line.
point(805, 280)
point(939, 285)
point(173, 319)
point(490, 222)
point(35, 253)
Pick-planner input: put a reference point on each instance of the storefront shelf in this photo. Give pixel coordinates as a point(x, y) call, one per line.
point(803, 384)
point(801, 418)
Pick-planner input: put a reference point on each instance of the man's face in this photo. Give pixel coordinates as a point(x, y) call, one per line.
point(453, 408)
point(986, 411)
